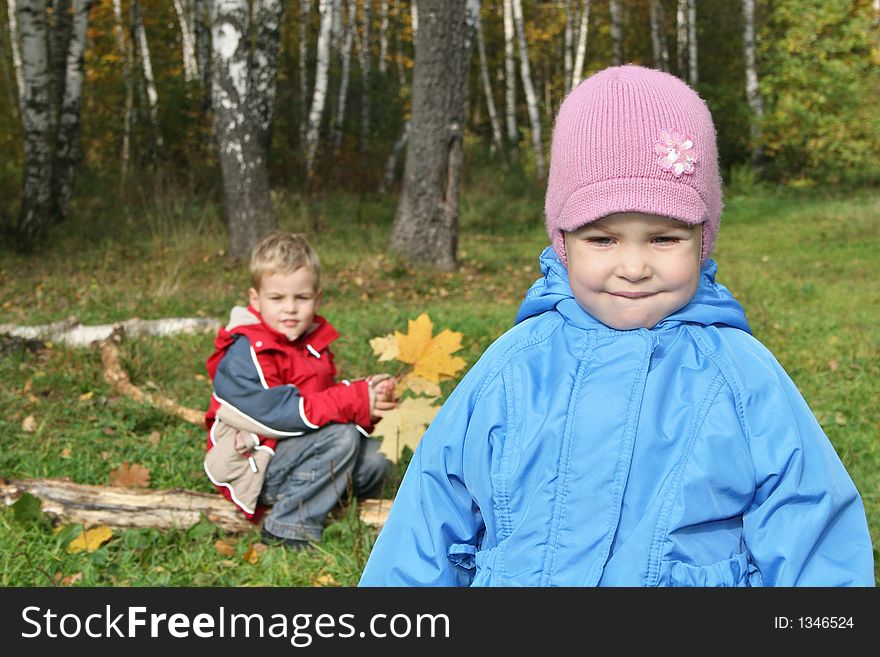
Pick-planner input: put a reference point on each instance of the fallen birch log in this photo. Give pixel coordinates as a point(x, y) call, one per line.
point(117, 377)
point(162, 509)
point(73, 334)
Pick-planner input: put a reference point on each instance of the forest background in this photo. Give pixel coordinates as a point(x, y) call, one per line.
point(145, 232)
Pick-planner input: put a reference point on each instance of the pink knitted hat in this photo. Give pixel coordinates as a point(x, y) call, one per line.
point(633, 139)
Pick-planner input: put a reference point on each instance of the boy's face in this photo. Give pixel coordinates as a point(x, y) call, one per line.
point(630, 270)
point(288, 302)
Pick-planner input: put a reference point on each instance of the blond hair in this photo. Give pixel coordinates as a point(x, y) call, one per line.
point(280, 252)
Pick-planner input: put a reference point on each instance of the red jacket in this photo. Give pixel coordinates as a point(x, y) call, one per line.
point(285, 388)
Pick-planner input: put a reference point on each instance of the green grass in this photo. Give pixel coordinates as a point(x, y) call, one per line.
point(802, 263)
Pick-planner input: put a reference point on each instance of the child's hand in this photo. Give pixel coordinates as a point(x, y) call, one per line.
point(382, 393)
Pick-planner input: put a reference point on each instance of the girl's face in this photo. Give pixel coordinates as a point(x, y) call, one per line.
point(287, 302)
point(630, 270)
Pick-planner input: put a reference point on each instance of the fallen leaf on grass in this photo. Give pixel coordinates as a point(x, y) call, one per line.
point(65, 453)
point(325, 580)
point(154, 438)
point(29, 424)
point(254, 552)
point(223, 548)
point(90, 540)
point(405, 425)
point(130, 476)
point(70, 580)
point(87, 395)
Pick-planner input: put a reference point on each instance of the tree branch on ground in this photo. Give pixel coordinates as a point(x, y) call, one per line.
point(117, 377)
point(73, 334)
point(162, 509)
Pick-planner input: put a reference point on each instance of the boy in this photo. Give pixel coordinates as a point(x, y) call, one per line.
point(281, 431)
point(629, 430)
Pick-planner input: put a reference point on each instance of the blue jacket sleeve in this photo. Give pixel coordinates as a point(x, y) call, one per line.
point(239, 385)
point(439, 515)
point(806, 525)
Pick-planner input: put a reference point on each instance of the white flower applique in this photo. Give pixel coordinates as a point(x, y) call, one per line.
point(676, 153)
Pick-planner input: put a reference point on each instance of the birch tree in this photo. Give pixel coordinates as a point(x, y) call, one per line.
point(12, 16)
point(304, 7)
point(753, 93)
point(528, 88)
point(383, 36)
point(51, 111)
point(346, 71)
point(659, 46)
point(67, 140)
point(426, 224)
point(319, 95)
point(188, 46)
point(692, 42)
point(239, 100)
point(616, 12)
point(510, 74)
point(365, 63)
point(36, 120)
point(487, 87)
point(128, 77)
point(143, 50)
point(581, 50)
point(681, 36)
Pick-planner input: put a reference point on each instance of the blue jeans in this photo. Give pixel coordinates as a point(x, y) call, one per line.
point(309, 474)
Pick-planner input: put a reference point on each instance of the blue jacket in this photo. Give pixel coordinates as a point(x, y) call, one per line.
point(573, 454)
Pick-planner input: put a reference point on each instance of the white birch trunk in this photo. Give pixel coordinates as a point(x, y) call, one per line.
point(616, 12)
point(531, 100)
point(14, 39)
point(268, 16)
point(319, 97)
point(247, 201)
point(366, 65)
point(346, 72)
point(581, 52)
point(383, 36)
point(753, 93)
point(67, 141)
point(658, 37)
point(140, 35)
point(304, 6)
point(36, 120)
point(692, 42)
point(190, 65)
point(567, 47)
point(128, 73)
point(510, 74)
point(487, 87)
point(682, 33)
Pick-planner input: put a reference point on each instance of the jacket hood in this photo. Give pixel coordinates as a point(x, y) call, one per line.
point(712, 303)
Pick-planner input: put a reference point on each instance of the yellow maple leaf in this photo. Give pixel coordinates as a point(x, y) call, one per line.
point(404, 426)
point(90, 540)
point(386, 347)
point(430, 356)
